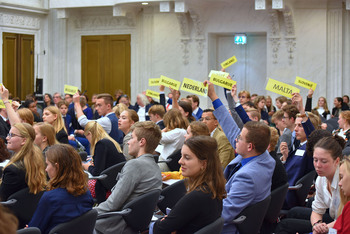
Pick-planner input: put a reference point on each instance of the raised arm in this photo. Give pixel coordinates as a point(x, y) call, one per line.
point(232, 100)
point(308, 104)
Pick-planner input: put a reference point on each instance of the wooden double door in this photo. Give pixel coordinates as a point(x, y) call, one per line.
point(105, 64)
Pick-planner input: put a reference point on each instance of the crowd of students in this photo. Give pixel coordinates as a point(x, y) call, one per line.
point(229, 158)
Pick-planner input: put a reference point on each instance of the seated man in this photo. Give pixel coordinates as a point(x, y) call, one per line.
point(156, 114)
point(138, 176)
point(249, 175)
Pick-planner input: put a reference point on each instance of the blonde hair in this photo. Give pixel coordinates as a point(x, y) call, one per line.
point(58, 124)
point(273, 139)
point(97, 134)
point(119, 108)
point(26, 115)
point(47, 130)
point(343, 198)
point(31, 158)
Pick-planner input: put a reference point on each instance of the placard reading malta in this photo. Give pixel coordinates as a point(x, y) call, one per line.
point(166, 81)
point(305, 83)
point(281, 88)
point(68, 89)
point(152, 94)
point(220, 81)
point(228, 62)
point(194, 86)
point(153, 81)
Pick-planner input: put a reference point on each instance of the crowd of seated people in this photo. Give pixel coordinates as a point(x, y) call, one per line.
point(246, 152)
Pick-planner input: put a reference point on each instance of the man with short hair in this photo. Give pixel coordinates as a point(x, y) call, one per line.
point(225, 150)
point(244, 96)
point(109, 121)
point(289, 115)
point(139, 176)
point(56, 98)
point(196, 110)
point(156, 114)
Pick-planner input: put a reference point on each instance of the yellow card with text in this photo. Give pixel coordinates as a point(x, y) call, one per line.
point(68, 89)
point(194, 86)
point(153, 81)
point(221, 81)
point(305, 83)
point(220, 73)
point(281, 88)
point(152, 94)
point(166, 81)
point(2, 105)
point(228, 62)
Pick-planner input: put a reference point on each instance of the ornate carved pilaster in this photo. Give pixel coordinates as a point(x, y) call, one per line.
point(289, 33)
point(275, 36)
point(198, 35)
point(185, 36)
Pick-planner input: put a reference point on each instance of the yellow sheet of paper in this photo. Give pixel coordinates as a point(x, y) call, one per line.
point(194, 86)
point(166, 81)
point(152, 94)
point(223, 82)
point(68, 89)
point(153, 81)
point(228, 62)
point(305, 83)
point(2, 105)
point(220, 73)
point(281, 88)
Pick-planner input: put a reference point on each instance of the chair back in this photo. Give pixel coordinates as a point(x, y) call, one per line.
point(173, 160)
point(278, 196)
point(29, 230)
point(171, 195)
point(306, 182)
point(111, 172)
point(24, 205)
point(252, 217)
point(82, 224)
point(142, 209)
point(214, 227)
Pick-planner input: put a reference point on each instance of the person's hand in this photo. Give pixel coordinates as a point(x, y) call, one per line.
point(4, 93)
point(284, 150)
point(324, 126)
point(86, 165)
point(165, 177)
point(298, 102)
point(173, 92)
point(211, 91)
point(71, 138)
point(79, 132)
point(161, 88)
point(310, 93)
point(76, 97)
point(320, 228)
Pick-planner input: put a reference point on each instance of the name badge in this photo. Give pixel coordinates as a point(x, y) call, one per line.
point(332, 231)
point(299, 152)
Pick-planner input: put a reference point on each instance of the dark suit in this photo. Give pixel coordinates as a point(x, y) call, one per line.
point(4, 129)
point(13, 180)
point(161, 124)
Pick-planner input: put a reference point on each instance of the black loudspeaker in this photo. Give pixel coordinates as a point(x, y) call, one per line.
point(39, 86)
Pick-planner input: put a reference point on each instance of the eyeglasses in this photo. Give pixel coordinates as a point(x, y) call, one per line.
point(10, 135)
point(241, 96)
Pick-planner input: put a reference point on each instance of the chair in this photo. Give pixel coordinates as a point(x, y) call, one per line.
point(138, 212)
point(23, 205)
point(302, 187)
point(250, 219)
point(83, 155)
point(214, 227)
point(29, 230)
point(173, 160)
point(171, 195)
point(278, 196)
point(82, 224)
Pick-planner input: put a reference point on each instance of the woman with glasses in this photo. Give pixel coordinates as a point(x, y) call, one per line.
point(26, 167)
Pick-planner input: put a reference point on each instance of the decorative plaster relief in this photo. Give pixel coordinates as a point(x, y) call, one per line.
point(290, 33)
point(185, 31)
point(103, 22)
point(199, 35)
point(19, 21)
point(275, 36)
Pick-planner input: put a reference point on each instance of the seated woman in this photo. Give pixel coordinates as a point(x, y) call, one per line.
point(127, 118)
point(172, 135)
point(205, 184)
point(259, 104)
point(52, 115)
point(26, 116)
point(45, 136)
point(26, 167)
point(344, 126)
point(342, 224)
point(31, 105)
point(106, 153)
point(194, 129)
point(68, 196)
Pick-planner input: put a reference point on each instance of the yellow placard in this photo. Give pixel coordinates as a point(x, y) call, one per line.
point(194, 86)
point(305, 83)
point(228, 62)
point(220, 73)
point(152, 94)
point(166, 81)
point(223, 82)
point(68, 89)
point(153, 81)
point(2, 105)
point(281, 88)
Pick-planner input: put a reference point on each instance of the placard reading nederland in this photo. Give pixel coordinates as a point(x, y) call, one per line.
point(68, 89)
point(166, 81)
point(223, 82)
point(305, 83)
point(281, 88)
point(2, 105)
point(228, 62)
point(194, 86)
point(220, 73)
point(152, 94)
point(153, 81)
